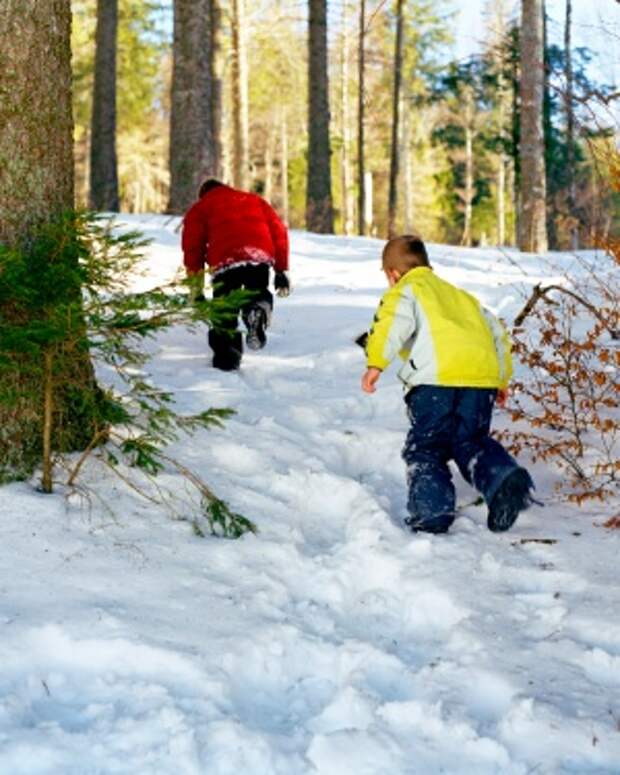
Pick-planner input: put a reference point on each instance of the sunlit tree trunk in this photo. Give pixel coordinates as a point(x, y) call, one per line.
point(36, 187)
point(532, 226)
point(361, 72)
point(571, 199)
point(269, 165)
point(347, 199)
point(284, 166)
point(240, 103)
point(319, 207)
point(103, 164)
point(195, 104)
point(395, 143)
point(408, 170)
point(468, 195)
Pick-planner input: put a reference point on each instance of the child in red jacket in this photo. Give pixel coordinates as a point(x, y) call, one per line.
point(238, 235)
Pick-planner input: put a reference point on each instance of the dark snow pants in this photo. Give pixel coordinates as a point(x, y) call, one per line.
point(224, 339)
point(450, 424)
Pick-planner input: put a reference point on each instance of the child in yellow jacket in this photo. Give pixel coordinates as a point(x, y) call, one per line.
point(456, 362)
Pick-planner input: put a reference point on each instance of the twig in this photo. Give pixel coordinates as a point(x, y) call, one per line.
point(538, 292)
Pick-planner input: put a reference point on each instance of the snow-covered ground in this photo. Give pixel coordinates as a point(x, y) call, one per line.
point(333, 641)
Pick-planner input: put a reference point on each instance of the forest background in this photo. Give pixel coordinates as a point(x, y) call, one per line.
point(458, 128)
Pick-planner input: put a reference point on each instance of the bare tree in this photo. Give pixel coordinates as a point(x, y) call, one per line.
point(319, 207)
point(395, 145)
point(196, 99)
point(532, 221)
point(103, 165)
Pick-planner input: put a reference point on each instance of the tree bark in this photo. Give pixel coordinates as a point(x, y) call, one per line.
point(240, 105)
point(36, 188)
point(571, 198)
point(103, 164)
point(36, 125)
point(196, 100)
point(532, 225)
point(284, 165)
point(319, 206)
point(361, 72)
point(347, 200)
point(408, 170)
point(395, 145)
point(469, 177)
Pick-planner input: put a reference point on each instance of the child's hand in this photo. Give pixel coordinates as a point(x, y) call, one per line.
point(502, 397)
point(370, 378)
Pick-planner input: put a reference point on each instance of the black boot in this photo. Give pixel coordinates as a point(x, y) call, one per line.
point(256, 322)
point(512, 498)
point(227, 350)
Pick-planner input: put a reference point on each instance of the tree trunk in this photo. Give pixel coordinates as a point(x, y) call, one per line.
point(532, 226)
point(103, 166)
point(284, 165)
point(36, 125)
point(268, 193)
point(408, 165)
point(571, 199)
point(469, 177)
point(347, 201)
point(361, 172)
point(319, 207)
point(195, 104)
point(36, 187)
point(240, 108)
point(395, 150)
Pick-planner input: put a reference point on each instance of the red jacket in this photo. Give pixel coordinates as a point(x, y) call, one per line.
point(227, 226)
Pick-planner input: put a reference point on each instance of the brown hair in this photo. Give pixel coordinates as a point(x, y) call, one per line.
point(207, 185)
point(405, 253)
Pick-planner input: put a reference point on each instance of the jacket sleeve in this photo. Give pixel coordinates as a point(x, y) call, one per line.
point(501, 340)
point(394, 325)
point(279, 236)
point(194, 240)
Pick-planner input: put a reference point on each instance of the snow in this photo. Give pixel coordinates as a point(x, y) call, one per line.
point(333, 641)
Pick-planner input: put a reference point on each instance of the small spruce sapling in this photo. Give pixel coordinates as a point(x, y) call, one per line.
point(135, 420)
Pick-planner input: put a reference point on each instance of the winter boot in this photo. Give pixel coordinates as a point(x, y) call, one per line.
point(435, 526)
point(227, 350)
point(512, 497)
point(256, 322)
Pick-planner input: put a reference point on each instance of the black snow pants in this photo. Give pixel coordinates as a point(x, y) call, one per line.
point(224, 339)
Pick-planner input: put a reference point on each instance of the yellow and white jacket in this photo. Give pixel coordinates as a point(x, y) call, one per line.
point(442, 333)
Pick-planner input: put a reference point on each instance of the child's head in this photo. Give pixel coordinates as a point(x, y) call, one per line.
point(402, 254)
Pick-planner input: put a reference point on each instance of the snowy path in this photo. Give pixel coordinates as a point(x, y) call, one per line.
point(333, 642)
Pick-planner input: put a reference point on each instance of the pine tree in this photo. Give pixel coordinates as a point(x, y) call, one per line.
point(319, 207)
point(195, 108)
point(239, 83)
point(532, 221)
point(361, 128)
point(396, 105)
point(36, 187)
point(103, 165)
